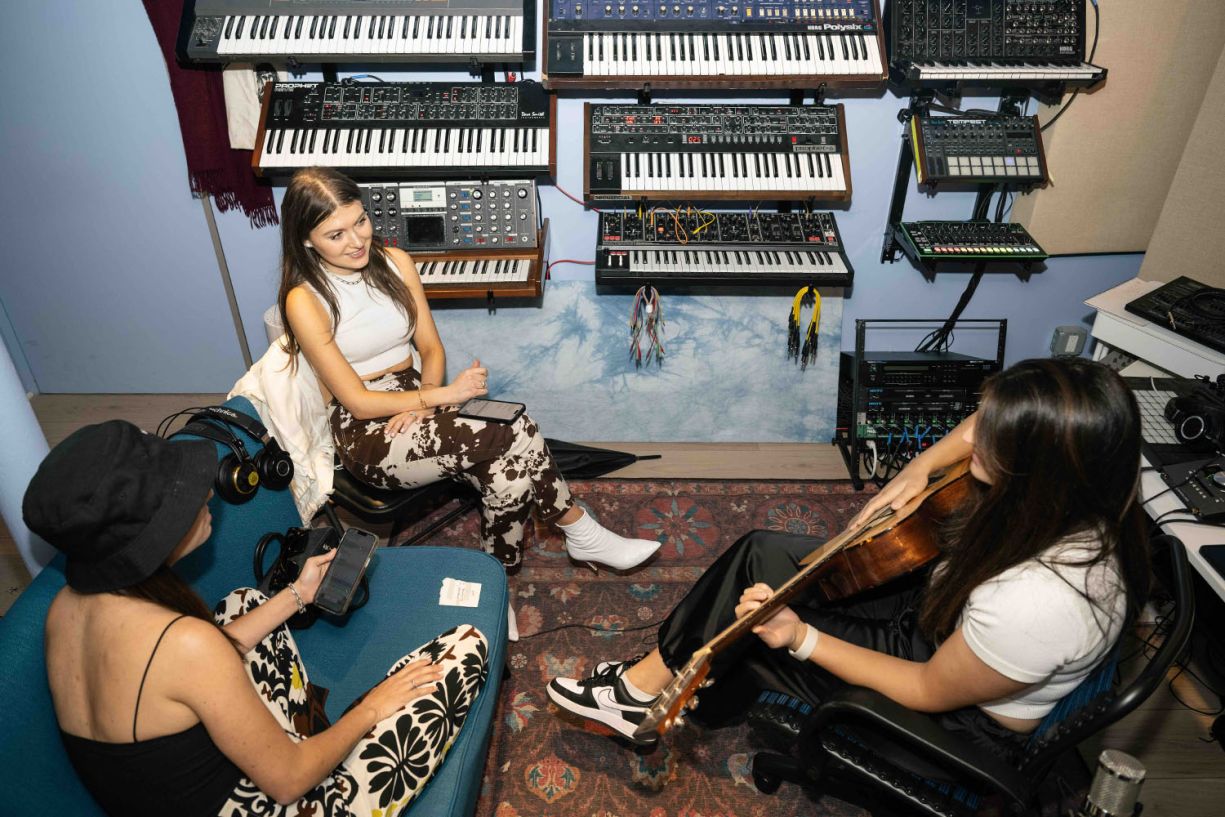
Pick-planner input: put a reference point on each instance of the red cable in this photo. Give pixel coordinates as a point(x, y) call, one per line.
point(549, 271)
point(576, 200)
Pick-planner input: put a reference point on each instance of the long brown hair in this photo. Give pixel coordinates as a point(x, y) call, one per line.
point(166, 589)
point(1060, 440)
point(315, 193)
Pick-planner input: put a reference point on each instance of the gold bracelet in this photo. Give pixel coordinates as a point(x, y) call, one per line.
point(421, 400)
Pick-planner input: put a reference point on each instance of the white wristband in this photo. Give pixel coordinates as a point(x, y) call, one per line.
point(807, 645)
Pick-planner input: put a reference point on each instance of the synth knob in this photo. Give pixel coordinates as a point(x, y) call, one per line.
point(378, 211)
point(522, 193)
point(621, 9)
point(391, 211)
point(477, 194)
point(608, 8)
point(676, 9)
point(689, 9)
point(376, 196)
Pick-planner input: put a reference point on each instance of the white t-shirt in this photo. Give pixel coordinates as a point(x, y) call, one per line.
point(1032, 624)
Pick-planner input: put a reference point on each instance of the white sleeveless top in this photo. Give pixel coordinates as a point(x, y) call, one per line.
point(373, 332)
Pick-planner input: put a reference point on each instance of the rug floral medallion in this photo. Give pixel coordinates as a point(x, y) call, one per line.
point(543, 763)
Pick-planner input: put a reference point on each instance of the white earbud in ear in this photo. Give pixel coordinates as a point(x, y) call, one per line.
point(309, 245)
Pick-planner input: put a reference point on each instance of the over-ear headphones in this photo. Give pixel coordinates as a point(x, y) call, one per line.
point(1199, 419)
point(239, 474)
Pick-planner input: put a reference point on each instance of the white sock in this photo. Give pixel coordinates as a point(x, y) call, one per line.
point(588, 540)
point(512, 626)
point(636, 693)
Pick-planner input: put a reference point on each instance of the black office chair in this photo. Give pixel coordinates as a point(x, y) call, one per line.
point(400, 508)
point(836, 754)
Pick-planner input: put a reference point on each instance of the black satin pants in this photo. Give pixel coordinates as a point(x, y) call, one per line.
point(883, 620)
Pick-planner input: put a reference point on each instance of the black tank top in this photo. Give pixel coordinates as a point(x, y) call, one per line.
point(184, 774)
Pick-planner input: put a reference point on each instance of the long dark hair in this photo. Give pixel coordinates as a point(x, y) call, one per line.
point(314, 193)
point(1061, 443)
point(166, 589)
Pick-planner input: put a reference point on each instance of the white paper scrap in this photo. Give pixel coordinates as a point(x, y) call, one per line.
point(456, 593)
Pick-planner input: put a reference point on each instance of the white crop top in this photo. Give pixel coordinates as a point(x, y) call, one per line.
point(373, 332)
point(1032, 624)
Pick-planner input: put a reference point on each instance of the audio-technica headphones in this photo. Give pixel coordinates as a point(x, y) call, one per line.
point(239, 475)
point(1199, 417)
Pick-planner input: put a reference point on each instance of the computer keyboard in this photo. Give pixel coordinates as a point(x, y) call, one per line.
point(1154, 427)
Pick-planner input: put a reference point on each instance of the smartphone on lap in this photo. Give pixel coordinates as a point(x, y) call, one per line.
point(491, 411)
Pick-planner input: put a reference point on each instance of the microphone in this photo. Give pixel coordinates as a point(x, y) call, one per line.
point(1116, 786)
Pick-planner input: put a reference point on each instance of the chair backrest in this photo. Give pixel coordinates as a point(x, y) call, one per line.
point(1096, 704)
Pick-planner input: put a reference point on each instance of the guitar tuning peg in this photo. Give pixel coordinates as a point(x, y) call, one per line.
point(680, 720)
point(709, 682)
point(692, 703)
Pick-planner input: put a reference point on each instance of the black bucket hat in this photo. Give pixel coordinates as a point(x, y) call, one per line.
point(117, 500)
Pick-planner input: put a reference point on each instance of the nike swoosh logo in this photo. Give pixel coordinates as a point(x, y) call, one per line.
point(604, 697)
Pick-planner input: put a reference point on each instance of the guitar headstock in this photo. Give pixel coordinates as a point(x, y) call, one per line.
point(671, 703)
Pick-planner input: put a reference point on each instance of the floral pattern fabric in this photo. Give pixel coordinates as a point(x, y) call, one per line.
point(390, 765)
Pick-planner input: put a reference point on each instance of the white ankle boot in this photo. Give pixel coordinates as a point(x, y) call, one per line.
point(512, 624)
point(589, 541)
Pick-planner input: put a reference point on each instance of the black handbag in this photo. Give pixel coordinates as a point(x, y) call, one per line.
point(297, 545)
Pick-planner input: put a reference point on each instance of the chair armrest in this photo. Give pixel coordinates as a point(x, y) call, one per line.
point(921, 734)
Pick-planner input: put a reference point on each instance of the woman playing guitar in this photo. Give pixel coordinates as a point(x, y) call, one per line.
point(1041, 570)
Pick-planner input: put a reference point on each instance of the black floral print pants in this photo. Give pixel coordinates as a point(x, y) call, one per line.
point(509, 464)
point(392, 763)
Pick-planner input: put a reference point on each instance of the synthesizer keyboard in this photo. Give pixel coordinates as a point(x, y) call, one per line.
point(704, 152)
point(468, 215)
point(359, 30)
point(928, 241)
point(996, 43)
point(741, 249)
point(993, 149)
point(469, 239)
point(714, 44)
point(427, 130)
point(1188, 308)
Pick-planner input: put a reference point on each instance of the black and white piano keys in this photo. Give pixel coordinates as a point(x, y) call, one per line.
point(713, 55)
point(714, 263)
point(405, 147)
point(732, 172)
point(426, 35)
point(482, 271)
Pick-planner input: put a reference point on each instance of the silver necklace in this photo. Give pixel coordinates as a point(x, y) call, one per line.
point(343, 278)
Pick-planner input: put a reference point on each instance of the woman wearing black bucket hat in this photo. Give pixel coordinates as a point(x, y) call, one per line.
point(164, 711)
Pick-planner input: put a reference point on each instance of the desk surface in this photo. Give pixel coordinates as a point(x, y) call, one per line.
point(1192, 534)
point(1169, 352)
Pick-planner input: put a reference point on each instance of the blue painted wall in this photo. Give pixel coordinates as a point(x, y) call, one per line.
point(112, 285)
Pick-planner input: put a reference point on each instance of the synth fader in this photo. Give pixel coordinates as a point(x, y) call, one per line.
point(707, 152)
point(424, 130)
point(742, 249)
point(978, 149)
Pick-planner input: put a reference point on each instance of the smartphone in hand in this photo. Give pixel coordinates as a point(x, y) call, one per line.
point(340, 582)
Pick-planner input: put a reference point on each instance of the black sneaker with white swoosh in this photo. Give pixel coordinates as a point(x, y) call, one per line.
point(604, 699)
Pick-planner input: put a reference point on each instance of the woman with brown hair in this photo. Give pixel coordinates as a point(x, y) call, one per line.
point(1039, 576)
point(166, 708)
point(355, 310)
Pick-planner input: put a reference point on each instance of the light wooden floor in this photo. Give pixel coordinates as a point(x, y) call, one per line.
point(1186, 776)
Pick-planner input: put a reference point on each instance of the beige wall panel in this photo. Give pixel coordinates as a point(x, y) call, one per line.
point(1113, 155)
point(1190, 235)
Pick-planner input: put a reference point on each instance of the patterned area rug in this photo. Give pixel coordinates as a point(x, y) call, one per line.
point(540, 764)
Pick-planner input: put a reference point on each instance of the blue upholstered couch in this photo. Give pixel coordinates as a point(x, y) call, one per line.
point(347, 657)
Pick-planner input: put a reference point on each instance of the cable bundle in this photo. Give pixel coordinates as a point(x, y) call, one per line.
point(646, 317)
point(807, 353)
